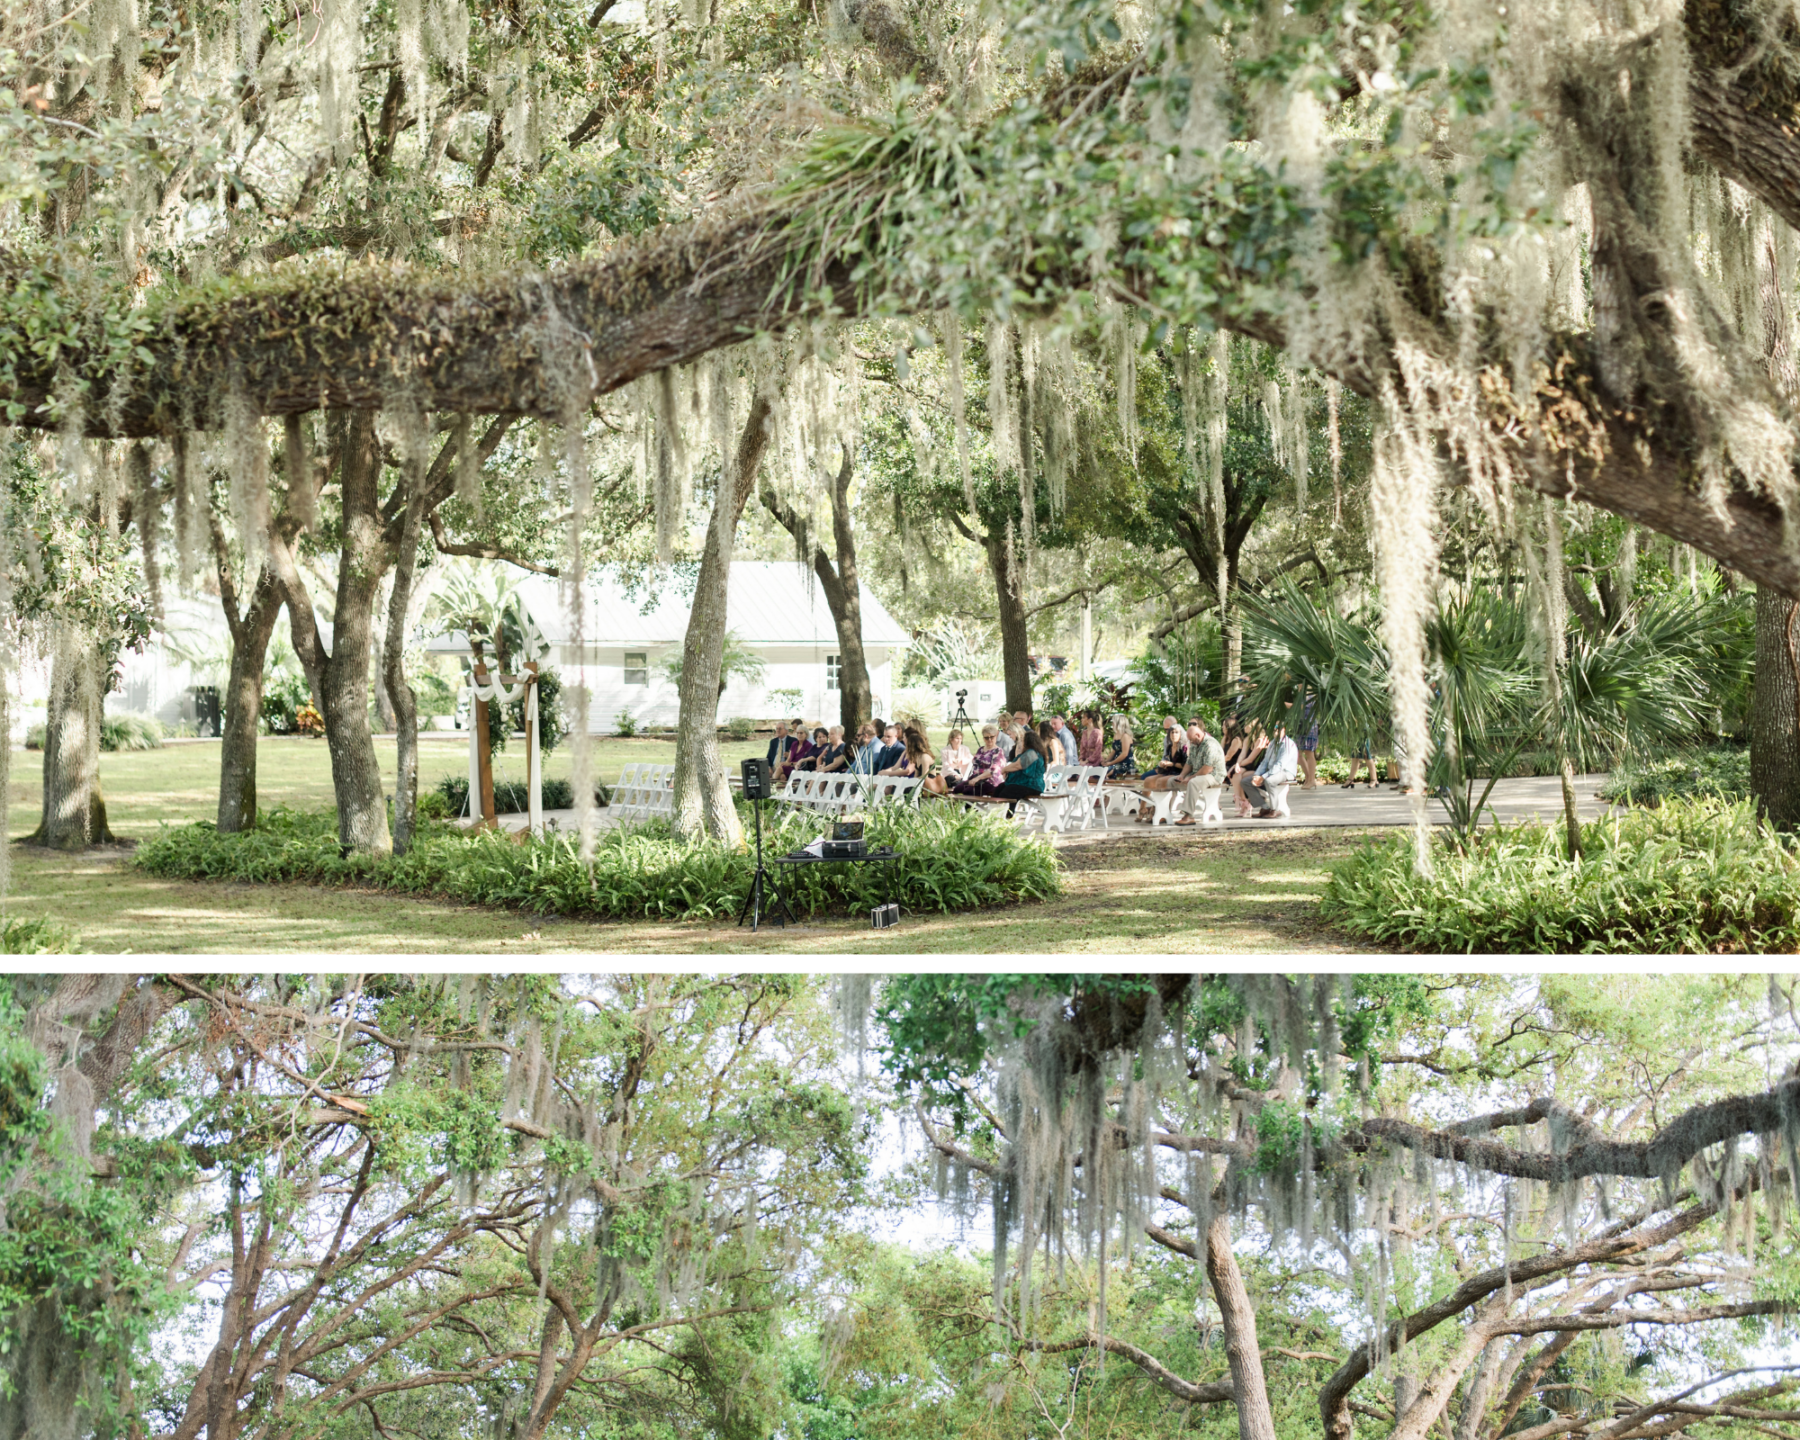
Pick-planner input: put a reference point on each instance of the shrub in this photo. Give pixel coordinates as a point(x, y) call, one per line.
point(950, 860)
point(308, 721)
point(1694, 877)
point(510, 796)
point(41, 936)
point(282, 700)
point(433, 805)
point(130, 732)
point(740, 727)
point(625, 725)
point(117, 732)
point(1687, 775)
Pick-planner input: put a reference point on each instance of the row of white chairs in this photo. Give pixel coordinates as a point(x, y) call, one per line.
point(836, 794)
point(644, 792)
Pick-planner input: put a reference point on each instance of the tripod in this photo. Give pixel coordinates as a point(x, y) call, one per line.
point(762, 884)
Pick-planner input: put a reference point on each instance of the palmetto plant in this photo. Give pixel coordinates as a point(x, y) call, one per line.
point(1642, 683)
point(1290, 642)
point(738, 662)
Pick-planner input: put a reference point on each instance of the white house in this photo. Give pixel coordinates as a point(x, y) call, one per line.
point(628, 639)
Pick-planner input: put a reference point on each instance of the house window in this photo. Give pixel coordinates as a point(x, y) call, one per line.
point(637, 667)
point(831, 671)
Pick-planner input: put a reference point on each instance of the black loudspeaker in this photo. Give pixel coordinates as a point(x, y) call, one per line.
point(756, 779)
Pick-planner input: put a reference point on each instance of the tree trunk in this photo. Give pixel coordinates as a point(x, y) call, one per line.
point(1256, 1420)
point(702, 793)
point(344, 693)
point(1571, 816)
point(400, 697)
point(1015, 637)
point(856, 700)
point(250, 636)
point(74, 815)
point(843, 593)
point(386, 715)
point(1775, 711)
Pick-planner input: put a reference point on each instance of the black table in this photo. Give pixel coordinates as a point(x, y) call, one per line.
point(884, 855)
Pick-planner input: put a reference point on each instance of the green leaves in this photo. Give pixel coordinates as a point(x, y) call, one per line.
point(949, 861)
point(1693, 877)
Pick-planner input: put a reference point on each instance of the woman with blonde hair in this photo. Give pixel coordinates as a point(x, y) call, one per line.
point(1121, 756)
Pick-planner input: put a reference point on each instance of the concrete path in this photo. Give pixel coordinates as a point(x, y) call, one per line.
point(1328, 807)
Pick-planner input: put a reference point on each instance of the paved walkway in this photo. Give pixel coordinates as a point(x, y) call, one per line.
point(1328, 807)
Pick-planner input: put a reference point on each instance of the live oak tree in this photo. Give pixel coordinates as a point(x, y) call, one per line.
point(1468, 218)
point(1455, 1266)
point(511, 1205)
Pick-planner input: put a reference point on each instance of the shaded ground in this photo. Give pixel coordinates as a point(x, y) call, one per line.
point(1247, 894)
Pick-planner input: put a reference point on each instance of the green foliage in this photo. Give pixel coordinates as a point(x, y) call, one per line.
point(282, 699)
point(553, 724)
point(950, 860)
point(1713, 773)
point(939, 1029)
point(738, 662)
point(510, 796)
point(130, 732)
point(740, 727)
point(1692, 877)
point(625, 725)
point(39, 936)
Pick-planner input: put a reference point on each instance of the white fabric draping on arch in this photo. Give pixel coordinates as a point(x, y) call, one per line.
point(534, 768)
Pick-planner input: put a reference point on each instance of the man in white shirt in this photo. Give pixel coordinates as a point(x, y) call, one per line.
point(1278, 768)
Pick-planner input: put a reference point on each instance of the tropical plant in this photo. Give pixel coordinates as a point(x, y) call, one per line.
point(948, 650)
point(1716, 773)
point(625, 725)
point(740, 662)
point(126, 731)
point(1691, 877)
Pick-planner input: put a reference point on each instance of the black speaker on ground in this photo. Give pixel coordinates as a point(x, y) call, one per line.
point(756, 779)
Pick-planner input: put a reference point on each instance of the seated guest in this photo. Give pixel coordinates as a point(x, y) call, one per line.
point(781, 750)
point(989, 766)
point(868, 748)
point(834, 754)
point(1254, 790)
point(1252, 743)
point(1065, 737)
point(1120, 758)
point(1021, 720)
point(1093, 738)
point(1174, 754)
point(1205, 769)
point(1009, 734)
point(959, 760)
point(806, 754)
point(1024, 777)
point(918, 762)
point(893, 750)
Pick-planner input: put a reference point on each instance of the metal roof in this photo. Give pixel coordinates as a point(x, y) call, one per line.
point(770, 603)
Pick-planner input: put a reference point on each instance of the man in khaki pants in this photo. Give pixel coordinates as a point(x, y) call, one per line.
point(1205, 769)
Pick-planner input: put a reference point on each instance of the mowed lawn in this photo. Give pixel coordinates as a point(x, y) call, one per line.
point(1246, 893)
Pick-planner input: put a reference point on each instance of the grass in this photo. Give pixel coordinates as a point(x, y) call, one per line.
point(180, 782)
point(1253, 893)
point(1250, 893)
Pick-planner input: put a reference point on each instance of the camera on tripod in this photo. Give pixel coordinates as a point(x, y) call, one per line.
point(962, 695)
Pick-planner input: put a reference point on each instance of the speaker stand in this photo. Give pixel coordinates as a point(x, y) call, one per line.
point(763, 884)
